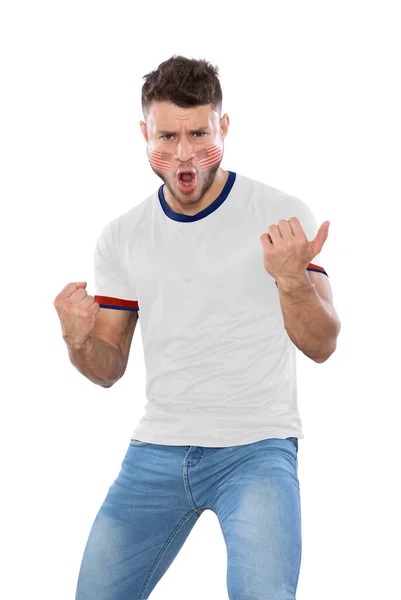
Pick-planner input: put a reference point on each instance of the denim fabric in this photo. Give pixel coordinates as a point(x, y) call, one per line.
point(160, 493)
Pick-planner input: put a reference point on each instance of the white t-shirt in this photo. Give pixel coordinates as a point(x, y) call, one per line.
point(220, 367)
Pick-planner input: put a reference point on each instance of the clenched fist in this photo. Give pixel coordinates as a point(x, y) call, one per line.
point(77, 312)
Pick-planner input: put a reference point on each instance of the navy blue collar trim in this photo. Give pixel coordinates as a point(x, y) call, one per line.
point(206, 211)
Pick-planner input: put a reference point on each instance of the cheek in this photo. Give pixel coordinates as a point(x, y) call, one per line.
point(208, 156)
point(160, 159)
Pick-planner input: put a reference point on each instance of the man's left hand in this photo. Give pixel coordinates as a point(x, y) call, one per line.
point(286, 250)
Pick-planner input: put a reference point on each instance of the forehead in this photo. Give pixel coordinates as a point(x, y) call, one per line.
point(166, 115)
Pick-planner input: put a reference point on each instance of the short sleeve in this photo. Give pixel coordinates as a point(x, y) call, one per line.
point(113, 287)
point(297, 208)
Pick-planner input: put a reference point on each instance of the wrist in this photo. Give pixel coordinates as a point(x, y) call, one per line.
point(80, 344)
point(295, 284)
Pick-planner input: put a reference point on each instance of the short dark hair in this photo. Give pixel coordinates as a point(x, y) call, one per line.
point(183, 81)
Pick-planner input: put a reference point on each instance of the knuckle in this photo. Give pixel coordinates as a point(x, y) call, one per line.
point(67, 305)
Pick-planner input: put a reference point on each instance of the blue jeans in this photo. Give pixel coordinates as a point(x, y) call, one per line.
point(160, 493)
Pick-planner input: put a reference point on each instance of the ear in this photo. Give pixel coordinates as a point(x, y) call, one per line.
point(144, 130)
point(224, 123)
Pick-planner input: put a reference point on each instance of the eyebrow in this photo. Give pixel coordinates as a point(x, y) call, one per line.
point(165, 132)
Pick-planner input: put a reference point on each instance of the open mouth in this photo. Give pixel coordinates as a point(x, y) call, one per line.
point(187, 180)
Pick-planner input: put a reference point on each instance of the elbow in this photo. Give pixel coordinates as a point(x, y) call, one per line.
point(323, 358)
point(333, 345)
point(107, 384)
point(110, 383)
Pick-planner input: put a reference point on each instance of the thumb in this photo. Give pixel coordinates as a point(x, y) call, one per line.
point(81, 283)
point(321, 237)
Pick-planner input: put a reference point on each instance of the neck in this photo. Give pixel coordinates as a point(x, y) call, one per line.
point(194, 205)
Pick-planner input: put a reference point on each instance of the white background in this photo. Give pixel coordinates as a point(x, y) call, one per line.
point(312, 92)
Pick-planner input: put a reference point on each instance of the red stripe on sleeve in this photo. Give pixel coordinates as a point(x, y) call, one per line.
point(317, 267)
point(314, 268)
point(116, 301)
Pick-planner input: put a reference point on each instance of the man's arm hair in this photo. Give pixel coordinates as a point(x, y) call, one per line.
point(98, 360)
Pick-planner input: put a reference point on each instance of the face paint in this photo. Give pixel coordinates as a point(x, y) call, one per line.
point(209, 156)
point(160, 159)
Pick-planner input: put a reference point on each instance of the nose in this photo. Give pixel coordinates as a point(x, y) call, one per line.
point(184, 151)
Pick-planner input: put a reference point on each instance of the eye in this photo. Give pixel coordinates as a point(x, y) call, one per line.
point(166, 136)
point(200, 132)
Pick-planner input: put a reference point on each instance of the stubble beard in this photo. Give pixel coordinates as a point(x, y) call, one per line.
point(191, 199)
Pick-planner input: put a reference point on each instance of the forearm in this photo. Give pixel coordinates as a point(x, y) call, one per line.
point(99, 361)
point(309, 320)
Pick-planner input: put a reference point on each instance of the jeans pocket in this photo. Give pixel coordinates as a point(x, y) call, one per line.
point(294, 441)
point(135, 442)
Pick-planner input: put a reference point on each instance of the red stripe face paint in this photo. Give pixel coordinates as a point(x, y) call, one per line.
point(209, 156)
point(160, 159)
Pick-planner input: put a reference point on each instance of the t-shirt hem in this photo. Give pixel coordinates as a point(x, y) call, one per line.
point(216, 443)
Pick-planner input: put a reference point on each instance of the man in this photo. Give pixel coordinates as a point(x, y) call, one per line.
point(224, 273)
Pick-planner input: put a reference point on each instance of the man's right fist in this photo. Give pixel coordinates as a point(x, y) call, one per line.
point(77, 312)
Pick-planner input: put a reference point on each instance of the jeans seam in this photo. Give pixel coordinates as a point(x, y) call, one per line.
point(299, 568)
point(163, 552)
